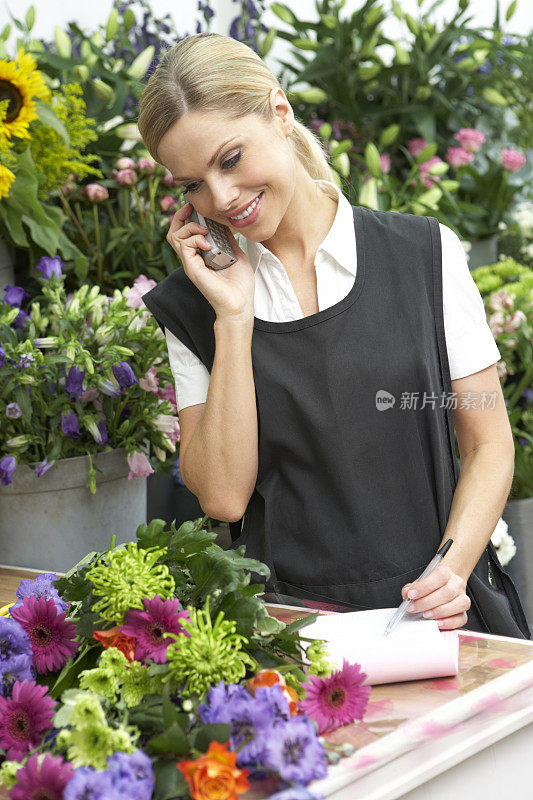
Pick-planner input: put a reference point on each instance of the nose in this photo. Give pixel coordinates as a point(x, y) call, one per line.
point(224, 195)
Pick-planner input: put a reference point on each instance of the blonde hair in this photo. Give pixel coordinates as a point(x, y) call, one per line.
point(210, 72)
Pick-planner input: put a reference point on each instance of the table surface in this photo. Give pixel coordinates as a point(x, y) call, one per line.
point(402, 716)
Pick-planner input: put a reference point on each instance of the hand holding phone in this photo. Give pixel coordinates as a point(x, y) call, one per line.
point(220, 255)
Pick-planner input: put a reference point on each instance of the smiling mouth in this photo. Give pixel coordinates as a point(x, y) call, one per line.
point(248, 210)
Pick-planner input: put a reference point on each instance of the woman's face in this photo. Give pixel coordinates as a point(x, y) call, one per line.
point(249, 157)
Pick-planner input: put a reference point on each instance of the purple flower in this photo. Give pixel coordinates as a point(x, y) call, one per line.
point(523, 442)
point(13, 411)
point(74, 383)
point(43, 467)
point(124, 374)
point(2, 356)
point(132, 774)
point(295, 751)
point(52, 387)
point(14, 295)
point(8, 466)
point(296, 793)
point(102, 430)
point(89, 784)
point(16, 668)
point(26, 359)
point(176, 472)
point(50, 266)
point(527, 393)
point(21, 319)
point(15, 655)
point(69, 424)
point(219, 700)
point(42, 586)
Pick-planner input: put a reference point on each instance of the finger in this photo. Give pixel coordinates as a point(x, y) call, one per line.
point(458, 605)
point(442, 595)
point(450, 623)
point(433, 581)
point(193, 242)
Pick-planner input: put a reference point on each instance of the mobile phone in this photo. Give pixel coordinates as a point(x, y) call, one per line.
point(220, 255)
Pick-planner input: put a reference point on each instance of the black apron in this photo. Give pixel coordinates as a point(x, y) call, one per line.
point(357, 463)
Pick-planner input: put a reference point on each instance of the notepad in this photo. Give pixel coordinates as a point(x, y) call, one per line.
point(414, 650)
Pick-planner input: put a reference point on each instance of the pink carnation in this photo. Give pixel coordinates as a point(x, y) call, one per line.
point(415, 146)
point(427, 179)
point(24, 718)
point(139, 465)
point(512, 160)
point(458, 156)
point(141, 285)
point(470, 139)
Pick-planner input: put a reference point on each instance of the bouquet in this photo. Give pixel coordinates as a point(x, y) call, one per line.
point(81, 374)
point(155, 669)
point(507, 291)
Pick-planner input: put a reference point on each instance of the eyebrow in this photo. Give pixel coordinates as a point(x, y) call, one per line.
point(211, 160)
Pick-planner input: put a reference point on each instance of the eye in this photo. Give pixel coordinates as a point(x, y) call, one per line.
point(231, 162)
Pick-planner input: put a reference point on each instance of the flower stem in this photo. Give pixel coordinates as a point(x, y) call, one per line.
point(74, 219)
point(98, 247)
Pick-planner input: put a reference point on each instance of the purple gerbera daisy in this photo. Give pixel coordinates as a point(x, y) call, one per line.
point(44, 780)
point(51, 634)
point(295, 751)
point(336, 700)
point(42, 586)
point(148, 627)
point(24, 718)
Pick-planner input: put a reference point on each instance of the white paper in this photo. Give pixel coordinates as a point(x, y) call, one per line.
point(414, 650)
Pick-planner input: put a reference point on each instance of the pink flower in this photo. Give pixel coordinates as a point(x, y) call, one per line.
point(89, 396)
point(134, 296)
point(337, 700)
point(147, 165)
point(384, 161)
point(168, 425)
point(150, 382)
point(501, 301)
point(167, 203)
point(124, 163)
point(168, 393)
point(501, 369)
point(51, 634)
point(24, 718)
point(68, 188)
point(168, 180)
point(148, 627)
point(470, 139)
point(427, 179)
point(458, 156)
point(95, 192)
point(45, 781)
point(415, 146)
point(139, 465)
point(496, 322)
point(512, 160)
point(125, 177)
point(513, 323)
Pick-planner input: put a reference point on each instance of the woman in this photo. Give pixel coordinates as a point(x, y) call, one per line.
point(314, 389)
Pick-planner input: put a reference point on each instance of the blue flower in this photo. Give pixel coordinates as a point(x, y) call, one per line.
point(14, 295)
point(13, 411)
point(43, 467)
point(26, 359)
point(219, 700)
point(2, 356)
point(74, 383)
point(69, 424)
point(15, 654)
point(90, 784)
point(176, 473)
point(102, 429)
point(17, 668)
point(50, 266)
point(294, 751)
point(8, 466)
point(21, 319)
point(124, 374)
point(296, 793)
point(42, 586)
point(132, 774)
point(528, 394)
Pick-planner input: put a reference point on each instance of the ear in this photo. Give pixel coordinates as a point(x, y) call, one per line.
point(282, 110)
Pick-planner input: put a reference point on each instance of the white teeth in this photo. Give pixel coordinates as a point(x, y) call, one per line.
point(248, 211)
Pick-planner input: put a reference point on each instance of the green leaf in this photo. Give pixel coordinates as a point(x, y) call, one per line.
point(48, 118)
point(85, 659)
point(217, 732)
point(23, 399)
point(172, 740)
point(284, 13)
point(153, 534)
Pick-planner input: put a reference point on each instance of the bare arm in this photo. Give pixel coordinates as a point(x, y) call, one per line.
point(219, 460)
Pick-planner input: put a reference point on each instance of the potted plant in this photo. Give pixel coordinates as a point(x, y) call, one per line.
point(86, 401)
point(507, 291)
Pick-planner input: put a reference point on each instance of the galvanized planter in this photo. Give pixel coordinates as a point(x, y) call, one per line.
point(518, 515)
point(483, 252)
point(50, 523)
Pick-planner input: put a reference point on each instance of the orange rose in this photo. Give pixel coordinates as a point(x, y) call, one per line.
point(215, 775)
point(271, 677)
point(114, 638)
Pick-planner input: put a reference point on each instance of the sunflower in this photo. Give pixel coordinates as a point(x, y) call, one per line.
point(6, 179)
point(20, 83)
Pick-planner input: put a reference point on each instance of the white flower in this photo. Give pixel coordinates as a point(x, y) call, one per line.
point(503, 542)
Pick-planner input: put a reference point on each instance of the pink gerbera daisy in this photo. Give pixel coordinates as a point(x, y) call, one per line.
point(336, 700)
point(148, 627)
point(51, 634)
point(24, 718)
point(46, 781)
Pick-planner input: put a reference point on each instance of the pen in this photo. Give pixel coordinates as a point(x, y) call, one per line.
point(401, 611)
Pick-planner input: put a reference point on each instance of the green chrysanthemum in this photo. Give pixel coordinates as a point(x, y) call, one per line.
point(317, 653)
point(136, 684)
point(90, 745)
point(101, 680)
point(122, 740)
point(8, 773)
point(115, 660)
point(86, 711)
point(209, 654)
point(124, 577)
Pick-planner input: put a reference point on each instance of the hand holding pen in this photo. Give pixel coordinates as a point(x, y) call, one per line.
point(444, 599)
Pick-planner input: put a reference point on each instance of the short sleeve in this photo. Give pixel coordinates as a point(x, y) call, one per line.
point(191, 377)
point(469, 341)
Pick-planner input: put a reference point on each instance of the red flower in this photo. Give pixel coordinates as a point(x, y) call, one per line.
point(114, 638)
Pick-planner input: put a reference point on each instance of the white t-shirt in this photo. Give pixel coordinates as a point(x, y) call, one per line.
point(469, 340)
